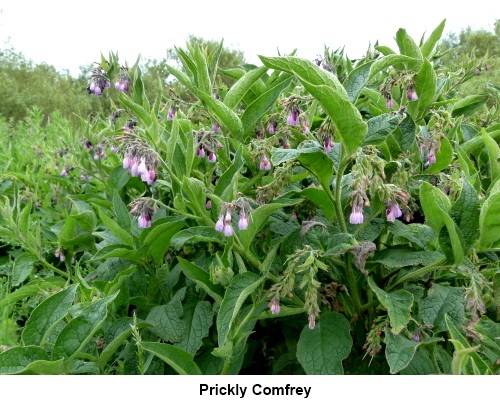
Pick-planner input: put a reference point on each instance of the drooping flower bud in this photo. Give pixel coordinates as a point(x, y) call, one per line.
point(411, 94)
point(171, 113)
point(274, 306)
point(293, 116)
point(356, 216)
point(392, 211)
point(228, 229)
point(243, 222)
point(212, 158)
point(144, 220)
point(265, 163)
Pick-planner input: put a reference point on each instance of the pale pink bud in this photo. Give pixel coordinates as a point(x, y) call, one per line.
point(144, 221)
point(134, 170)
point(312, 321)
point(228, 229)
point(219, 225)
point(212, 158)
point(293, 116)
point(265, 164)
point(393, 211)
point(356, 216)
point(274, 306)
point(64, 172)
point(243, 222)
point(142, 168)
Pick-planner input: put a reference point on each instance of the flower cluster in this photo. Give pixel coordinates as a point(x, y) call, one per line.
point(207, 143)
point(144, 208)
point(224, 222)
point(138, 157)
point(123, 81)
point(98, 81)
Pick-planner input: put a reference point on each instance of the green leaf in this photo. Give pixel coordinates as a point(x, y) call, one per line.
point(399, 351)
point(24, 219)
point(240, 287)
point(356, 80)
point(227, 186)
point(407, 45)
point(258, 218)
point(465, 213)
point(443, 159)
point(442, 300)
point(393, 60)
point(469, 105)
point(121, 212)
point(468, 359)
point(326, 88)
point(242, 86)
point(17, 359)
point(196, 234)
point(23, 266)
point(254, 112)
point(122, 235)
point(398, 257)
point(118, 178)
point(322, 349)
point(46, 315)
point(202, 279)
point(489, 220)
point(425, 85)
point(166, 319)
point(381, 126)
point(176, 358)
point(420, 364)
point(157, 241)
point(202, 76)
point(198, 320)
point(436, 206)
point(428, 46)
point(493, 153)
point(405, 133)
point(32, 288)
point(398, 305)
point(78, 332)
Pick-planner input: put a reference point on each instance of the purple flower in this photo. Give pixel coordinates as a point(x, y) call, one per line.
point(128, 161)
point(327, 144)
point(200, 152)
point(271, 128)
point(216, 127)
point(87, 144)
point(64, 172)
point(144, 220)
point(265, 164)
point(228, 229)
point(389, 103)
point(212, 158)
point(356, 216)
point(293, 116)
point(411, 94)
point(431, 156)
point(208, 204)
point(243, 222)
point(122, 82)
point(274, 306)
point(134, 170)
point(114, 149)
point(416, 336)
point(142, 168)
point(171, 113)
point(393, 211)
point(219, 225)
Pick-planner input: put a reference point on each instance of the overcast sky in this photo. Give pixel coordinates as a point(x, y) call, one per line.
point(68, 34)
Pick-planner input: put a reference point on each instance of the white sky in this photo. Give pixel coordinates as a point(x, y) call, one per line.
point(68, 34)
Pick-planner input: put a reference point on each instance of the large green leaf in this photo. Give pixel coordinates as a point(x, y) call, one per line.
point(23, 267)
point(398, 305)
point(242, 86)
point(425, 85)
point(166, 319)
point(489, 220)
point(326, 88)
point(322, 349)
point(399, 351)
point(197, 317)
point(78, 332)
point(240, 287)
point(157, 241)
point(465, 212)
point(407, 45)
point(227, 186)
point(176, 358)
point(381, 126)
point(469, 105)
point(46, 315)
point(442, 300)
point(201, 278)
point(17, 359)
point(428, 46)
point(356, 80)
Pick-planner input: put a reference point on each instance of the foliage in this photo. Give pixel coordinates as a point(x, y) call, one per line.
point(346, 206)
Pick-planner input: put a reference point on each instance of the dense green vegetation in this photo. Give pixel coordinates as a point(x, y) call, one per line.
point(199, 215)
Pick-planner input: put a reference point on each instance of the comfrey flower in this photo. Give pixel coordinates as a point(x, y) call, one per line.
point(356, 216)
point(274, 306)
point(171, 113)
point(216, 127)
point(243, 222)
point(123, 82)
point(293, 116)
point(392, 211)
point(389, 103)
point(98, 82)
point(411, 93)
point(272, 126)
point(144, 207)
point(327, 144)
point(312, 321)
point(265, 163)
point(212, 157)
